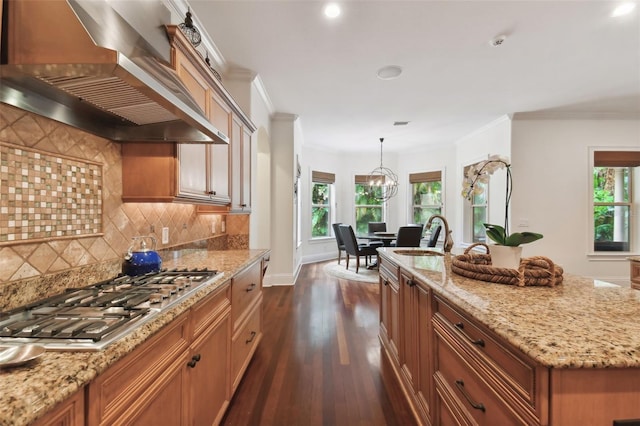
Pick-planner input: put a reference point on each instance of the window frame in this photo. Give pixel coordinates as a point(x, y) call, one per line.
point(417, 178)
point(632, 203)
point(469, 206)
point(361, 180)
point(322, 178)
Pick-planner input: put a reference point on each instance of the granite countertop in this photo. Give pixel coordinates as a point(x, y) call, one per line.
point(30, 390)
point(580, 323)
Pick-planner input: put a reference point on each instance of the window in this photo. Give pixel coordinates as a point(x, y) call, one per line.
point(369, 208)
point(476, 213)
point(613, 175)
point(426, 190)
point(322, 184)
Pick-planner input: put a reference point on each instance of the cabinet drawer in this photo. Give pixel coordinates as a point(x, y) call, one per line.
point(207, 310)
point(388, 269)
point(245, 289)
point(511, 368)
point(245, 342)
point(469, 390)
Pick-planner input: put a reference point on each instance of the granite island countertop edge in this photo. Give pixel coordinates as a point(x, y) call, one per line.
point(576, 324)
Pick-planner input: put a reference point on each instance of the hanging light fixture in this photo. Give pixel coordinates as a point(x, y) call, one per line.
point(382, 182)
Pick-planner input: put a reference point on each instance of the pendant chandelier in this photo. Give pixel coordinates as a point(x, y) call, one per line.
point(382, 182)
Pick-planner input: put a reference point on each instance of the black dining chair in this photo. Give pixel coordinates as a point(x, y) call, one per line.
point(373, 227)
point(352, 248)
point(336, 232)
point(433, 240)
point(408, 236)
point(377, 227)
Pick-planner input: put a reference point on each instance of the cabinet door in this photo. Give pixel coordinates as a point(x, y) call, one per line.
point(193, 170)
point(209, 373)
point(245, 200)
point(236, 164)
point(68, 413)
point(164, 405)
point(424, 346)
point(409, 341)
point(193, 80)
point(219, 168)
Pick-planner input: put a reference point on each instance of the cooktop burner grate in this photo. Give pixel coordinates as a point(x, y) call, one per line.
point(91, 317)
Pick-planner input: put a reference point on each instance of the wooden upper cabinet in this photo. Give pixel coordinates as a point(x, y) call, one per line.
point(210, 175)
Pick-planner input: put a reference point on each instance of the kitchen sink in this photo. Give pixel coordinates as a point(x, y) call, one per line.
point(418, 253)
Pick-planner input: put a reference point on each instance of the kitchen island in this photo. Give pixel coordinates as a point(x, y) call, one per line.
point(470, 351)
point(29, 392)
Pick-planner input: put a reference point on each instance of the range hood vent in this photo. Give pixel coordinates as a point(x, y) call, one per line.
point(82, 63)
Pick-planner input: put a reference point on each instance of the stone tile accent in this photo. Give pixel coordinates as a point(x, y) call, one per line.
point(120, 222)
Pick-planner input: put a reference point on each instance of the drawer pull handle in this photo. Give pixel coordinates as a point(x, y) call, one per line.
point(251, 287)
point(477, 405)
point(386, 282)
point(411, 283)
point(194, 361)
point(479, 342)
point(253, 336)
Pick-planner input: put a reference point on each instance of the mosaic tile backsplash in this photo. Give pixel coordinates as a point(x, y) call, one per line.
point(36, 260)
point(47, 196)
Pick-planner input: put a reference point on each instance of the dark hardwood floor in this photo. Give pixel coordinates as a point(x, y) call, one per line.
point(320, 361)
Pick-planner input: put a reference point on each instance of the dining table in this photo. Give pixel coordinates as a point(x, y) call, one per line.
point(385, 237)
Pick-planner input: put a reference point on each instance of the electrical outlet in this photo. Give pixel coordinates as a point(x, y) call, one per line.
point(224, 226)
point(165, 235)
point(213, 227)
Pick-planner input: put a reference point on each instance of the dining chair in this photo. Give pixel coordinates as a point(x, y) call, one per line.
point(408, 236)
point(352, 248)
point(373, 227)
point(336, 232)
point(377, 227)
point(433, 240)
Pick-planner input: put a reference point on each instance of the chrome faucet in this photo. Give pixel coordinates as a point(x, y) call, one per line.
point(448, 240)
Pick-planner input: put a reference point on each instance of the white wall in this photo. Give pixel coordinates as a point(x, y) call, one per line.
point(552, 184)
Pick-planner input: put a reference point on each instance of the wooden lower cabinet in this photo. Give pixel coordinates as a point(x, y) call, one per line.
point(389, 308)
point(405, 334)
point(69, 413)
point(635, 274)
point(209, 394)
point(178, 377)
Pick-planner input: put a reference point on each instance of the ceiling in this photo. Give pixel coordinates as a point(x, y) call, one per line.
point(568, 56)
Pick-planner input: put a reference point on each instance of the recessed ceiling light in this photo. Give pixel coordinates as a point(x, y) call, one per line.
point(389, 72)
point(332, 10)
point(623, 9)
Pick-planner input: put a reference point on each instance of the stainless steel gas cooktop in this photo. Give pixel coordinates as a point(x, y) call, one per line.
point(92, 317)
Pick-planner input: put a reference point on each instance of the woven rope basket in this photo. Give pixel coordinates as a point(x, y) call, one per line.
point(533, 271)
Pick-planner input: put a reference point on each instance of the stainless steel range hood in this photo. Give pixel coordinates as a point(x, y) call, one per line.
point(101, 66)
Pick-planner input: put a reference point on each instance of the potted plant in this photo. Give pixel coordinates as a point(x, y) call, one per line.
point(480, 173)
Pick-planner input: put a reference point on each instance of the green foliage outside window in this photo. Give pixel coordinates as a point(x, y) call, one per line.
point(427, 200)
point(368, 208)
point(320, 210)
point(606, 207)
point(479, 209)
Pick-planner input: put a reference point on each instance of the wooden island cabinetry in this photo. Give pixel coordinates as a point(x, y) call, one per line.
point(469, 352)
point(635, 272)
